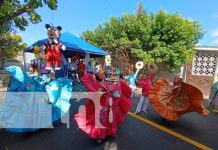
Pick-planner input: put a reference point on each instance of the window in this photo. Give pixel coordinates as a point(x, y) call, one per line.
point(204, 64)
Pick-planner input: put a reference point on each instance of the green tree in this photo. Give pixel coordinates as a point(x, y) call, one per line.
point(22, 13)
point(10, 45)
point(163, 38)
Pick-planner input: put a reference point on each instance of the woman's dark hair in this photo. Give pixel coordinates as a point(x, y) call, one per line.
point(35, 66)
point(176, 80)
point(89, 72)
point(98, 78)
point(121, 76)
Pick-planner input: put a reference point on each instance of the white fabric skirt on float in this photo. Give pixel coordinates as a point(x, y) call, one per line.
point(32, 103)
point(25, 111)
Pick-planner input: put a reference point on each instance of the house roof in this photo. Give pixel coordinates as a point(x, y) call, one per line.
point(206, 48)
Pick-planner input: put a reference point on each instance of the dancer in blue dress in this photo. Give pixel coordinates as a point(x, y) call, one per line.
point(131, 80)
point(32, 102)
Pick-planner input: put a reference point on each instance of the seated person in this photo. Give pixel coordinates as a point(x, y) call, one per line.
point(73, 71)
point(35, 70)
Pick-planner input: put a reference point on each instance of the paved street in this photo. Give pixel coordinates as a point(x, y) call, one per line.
point(138, 133)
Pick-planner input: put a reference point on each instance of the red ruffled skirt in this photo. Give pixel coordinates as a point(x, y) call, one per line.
point(99, 120)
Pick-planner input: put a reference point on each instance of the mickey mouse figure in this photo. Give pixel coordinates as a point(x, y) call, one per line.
point(53, 48)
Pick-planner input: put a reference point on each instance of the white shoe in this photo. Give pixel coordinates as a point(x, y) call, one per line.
point(48, 68)
point(57, 68)
point(136, 112)
point(145, 111)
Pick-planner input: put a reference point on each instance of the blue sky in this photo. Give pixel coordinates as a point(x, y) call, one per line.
point(76, 16)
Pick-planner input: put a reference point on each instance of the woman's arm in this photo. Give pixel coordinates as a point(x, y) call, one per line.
point(136, 73)
point(139, 83)
point(91, 83)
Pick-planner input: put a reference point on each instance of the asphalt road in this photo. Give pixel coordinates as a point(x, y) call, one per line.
point(133, 135)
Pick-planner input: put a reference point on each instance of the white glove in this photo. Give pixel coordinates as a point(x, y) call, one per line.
point(63, 47)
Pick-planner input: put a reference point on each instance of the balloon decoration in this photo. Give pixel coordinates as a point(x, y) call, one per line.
point(39, 59)
point(36, 48)
point(39, 54)
point(43, 61)
point(42, 52)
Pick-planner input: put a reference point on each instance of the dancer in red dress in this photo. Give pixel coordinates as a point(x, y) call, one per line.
point(113, 106)
point(146, 84)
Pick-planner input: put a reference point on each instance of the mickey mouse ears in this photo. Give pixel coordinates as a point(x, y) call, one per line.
point(47, 26)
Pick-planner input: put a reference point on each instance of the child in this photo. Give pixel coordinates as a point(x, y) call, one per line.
point(131, 80)
point(146, 85)
point(35, 70)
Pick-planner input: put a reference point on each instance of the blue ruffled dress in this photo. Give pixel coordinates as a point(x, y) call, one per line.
point(32, 102)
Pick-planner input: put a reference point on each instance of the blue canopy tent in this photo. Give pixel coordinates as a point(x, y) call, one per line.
point(73, 44)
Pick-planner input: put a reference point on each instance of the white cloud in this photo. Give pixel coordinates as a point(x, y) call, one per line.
point(199, 44)
point(215, 15)
point(214, 32)
point(215, 41)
